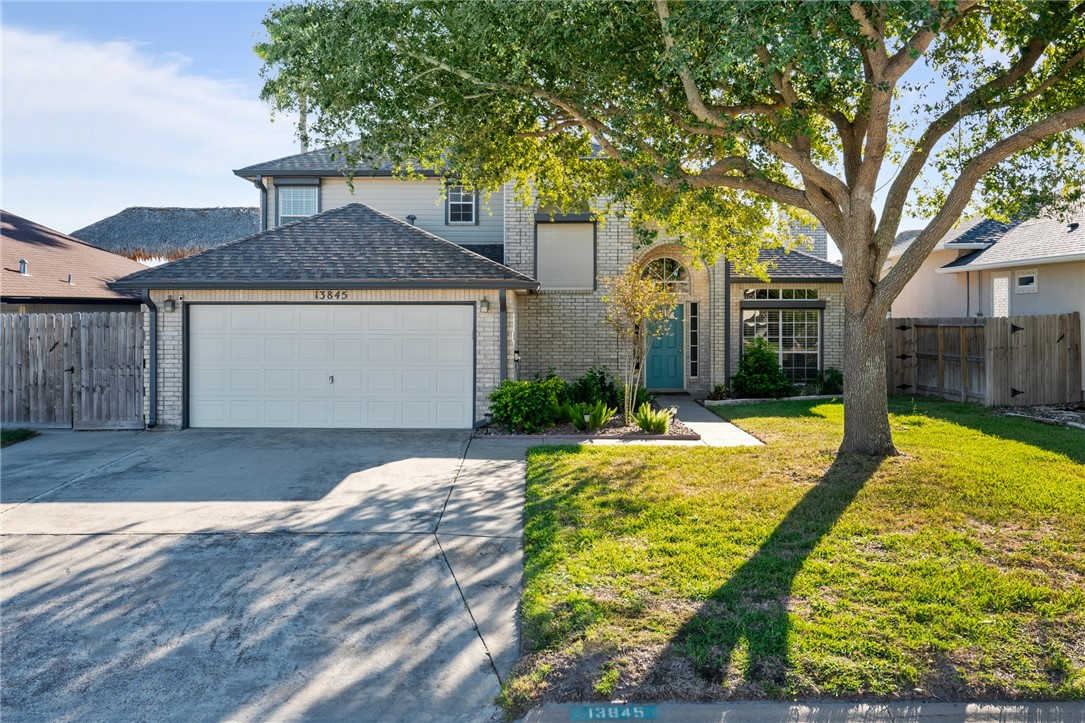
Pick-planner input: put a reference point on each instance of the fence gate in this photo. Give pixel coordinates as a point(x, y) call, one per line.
point(1015, 360)
point(74, 371)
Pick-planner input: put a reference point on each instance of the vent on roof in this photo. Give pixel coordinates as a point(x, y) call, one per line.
point(1073, 227)
point(23, 268)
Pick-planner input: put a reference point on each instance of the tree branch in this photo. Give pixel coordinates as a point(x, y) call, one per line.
point(959, 196)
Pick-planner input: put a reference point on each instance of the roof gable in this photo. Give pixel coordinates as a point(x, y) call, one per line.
point(51, 257)
point(352, 246)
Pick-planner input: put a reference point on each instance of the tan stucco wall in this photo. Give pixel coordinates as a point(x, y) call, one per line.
point(171, 337)
point(929, 293)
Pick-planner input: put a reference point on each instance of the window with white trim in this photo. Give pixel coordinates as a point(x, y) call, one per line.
point(1025, 281)
point(296, 203)
point(462, 206)
point(795, 334)
point(780, 294)
point(668, 273)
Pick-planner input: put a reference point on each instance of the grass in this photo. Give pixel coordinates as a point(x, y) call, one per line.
point(955, 570)
point(9, 437)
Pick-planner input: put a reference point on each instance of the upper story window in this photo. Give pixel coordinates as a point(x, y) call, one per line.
point(565, 256)
point(780, 294)
point(297, 202)
point(461, 205)
point(669, 273)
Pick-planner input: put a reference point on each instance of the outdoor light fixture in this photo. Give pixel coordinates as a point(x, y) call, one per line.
point(169, 304)
point(484, 305)
point(515, 356)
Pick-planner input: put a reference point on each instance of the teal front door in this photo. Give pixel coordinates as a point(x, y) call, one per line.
point(665, 357)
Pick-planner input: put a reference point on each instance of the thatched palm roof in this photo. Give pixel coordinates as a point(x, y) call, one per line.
point(144, 233)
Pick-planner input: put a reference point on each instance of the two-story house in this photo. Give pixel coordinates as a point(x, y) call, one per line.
point(404, 303)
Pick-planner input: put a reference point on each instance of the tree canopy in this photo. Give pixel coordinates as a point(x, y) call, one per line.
point(716, 123)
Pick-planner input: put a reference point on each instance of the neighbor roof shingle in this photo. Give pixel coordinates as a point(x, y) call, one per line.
point(51, 256)
point(321, 162)
point(1026, 242)
point(353, 246)
point(144, 233)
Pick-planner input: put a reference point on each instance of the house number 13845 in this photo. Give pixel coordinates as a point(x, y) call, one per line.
point(332, 296)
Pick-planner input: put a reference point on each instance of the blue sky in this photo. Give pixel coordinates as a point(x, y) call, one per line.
point(114, 104)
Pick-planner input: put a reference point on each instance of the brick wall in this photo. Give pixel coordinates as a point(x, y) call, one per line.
point(171, 337)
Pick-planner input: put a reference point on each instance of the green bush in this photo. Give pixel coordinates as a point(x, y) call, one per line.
point(597, 385)
point(588, 417)
point(760, 374)
point(652, 421)
point(640, 397)
point(527, 406)
point(719, 391)
point(829, 381)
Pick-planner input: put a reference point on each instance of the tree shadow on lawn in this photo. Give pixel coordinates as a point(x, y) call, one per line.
point(740, 634)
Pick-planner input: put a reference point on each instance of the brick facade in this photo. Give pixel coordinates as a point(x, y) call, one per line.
point(171, 336)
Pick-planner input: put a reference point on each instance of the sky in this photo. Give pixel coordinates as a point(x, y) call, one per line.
point(107, 105)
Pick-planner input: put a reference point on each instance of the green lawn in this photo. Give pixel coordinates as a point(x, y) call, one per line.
point(9, 437)
point(955, 570)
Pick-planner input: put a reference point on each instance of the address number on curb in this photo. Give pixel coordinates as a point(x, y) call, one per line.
point(332, 295)
point(613, 712)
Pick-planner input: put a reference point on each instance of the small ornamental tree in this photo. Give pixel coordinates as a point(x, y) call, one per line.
point(639, 309)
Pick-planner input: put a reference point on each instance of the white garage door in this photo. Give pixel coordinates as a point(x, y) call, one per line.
point(296, 365)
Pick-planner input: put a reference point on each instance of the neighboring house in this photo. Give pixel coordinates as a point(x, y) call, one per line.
point(990, 268)
point(156, 235)
point(45, 271)
point(397, 305)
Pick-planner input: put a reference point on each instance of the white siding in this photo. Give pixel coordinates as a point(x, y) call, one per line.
point(565, 256)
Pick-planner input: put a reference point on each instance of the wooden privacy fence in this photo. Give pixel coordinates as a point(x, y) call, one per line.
point(78, 371)
point(997, 361)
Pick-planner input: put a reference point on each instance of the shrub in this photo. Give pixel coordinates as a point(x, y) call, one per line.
point(597, 385)
point(652, 421)
point(760, 373)
point(590, 417)
point(829, 381)
point(719, 391)
point(526, 406)
point(639, 397)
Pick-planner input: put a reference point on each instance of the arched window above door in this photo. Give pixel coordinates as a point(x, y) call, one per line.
point(668, 272)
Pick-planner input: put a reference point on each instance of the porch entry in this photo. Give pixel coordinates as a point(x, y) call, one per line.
point(665, 356)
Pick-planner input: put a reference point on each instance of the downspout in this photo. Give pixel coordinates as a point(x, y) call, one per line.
point(968, 293)
point(152, 381)
point(727, 322)
point(259, 183)
point(504, 334)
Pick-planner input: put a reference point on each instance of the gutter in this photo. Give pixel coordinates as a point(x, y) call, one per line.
point(501, 295)
point(1037, 261)
point(342, 284)
point(152, 381)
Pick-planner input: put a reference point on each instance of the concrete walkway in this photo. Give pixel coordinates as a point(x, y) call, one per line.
point(714, 431)
point(814, 712)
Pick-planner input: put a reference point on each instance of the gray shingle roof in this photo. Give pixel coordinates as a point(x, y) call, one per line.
point(794, 265)
point(321, 162)
point(143, 233)
point(1025, 242)
point(350, 247)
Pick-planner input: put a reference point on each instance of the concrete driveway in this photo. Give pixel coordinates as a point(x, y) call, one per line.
point(258, 575)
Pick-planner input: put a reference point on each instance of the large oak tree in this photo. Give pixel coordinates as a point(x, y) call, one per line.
point(717, 123)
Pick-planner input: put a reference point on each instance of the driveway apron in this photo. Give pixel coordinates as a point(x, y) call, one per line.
point(259, 575)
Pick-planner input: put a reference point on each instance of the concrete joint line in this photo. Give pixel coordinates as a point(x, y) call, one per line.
point(467, 606)
point(88, 473)
point(452, 487)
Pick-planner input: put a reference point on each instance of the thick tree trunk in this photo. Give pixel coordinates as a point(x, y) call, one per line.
point(866, 413)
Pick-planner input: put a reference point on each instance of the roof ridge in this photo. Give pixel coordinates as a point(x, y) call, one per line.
point(434, 236)
point(67, 236)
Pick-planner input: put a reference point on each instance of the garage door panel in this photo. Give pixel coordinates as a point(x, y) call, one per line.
point(272, 365)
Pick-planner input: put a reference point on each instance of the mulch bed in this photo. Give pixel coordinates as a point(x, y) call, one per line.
point(1071, 413)
point(614, 430)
